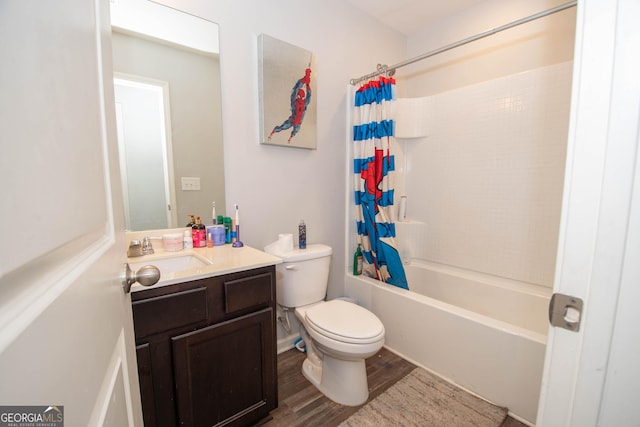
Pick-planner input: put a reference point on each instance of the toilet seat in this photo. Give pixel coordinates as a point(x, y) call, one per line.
point(345, 322)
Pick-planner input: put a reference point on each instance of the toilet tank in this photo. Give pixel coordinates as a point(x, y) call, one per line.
point(303, 276)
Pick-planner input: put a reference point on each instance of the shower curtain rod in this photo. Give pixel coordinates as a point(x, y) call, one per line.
point(384, 69)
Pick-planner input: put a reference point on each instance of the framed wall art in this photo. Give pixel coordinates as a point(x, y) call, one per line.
point(287, 84)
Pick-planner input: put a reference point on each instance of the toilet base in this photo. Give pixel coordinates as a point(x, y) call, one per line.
point(343, 381)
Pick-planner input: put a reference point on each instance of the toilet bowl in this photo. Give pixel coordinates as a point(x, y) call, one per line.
point(339, 335)
point(343, 328)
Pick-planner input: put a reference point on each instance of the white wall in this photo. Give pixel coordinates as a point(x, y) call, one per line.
point(274, 186)
point(542, 42)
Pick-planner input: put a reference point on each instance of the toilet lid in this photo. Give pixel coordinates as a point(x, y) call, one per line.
point(345, 321)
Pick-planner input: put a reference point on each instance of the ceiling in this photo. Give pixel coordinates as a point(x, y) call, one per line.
point(409, 16)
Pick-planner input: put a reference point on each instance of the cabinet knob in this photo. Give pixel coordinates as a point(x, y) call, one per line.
point(147, 275)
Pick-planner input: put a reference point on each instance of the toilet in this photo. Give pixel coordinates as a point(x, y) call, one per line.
point(339, 335)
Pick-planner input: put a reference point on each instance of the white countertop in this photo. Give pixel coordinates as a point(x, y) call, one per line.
point(223, 259)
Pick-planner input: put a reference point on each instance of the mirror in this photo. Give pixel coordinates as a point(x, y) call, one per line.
point(168, 111)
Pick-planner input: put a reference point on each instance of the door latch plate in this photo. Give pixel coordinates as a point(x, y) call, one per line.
point(565, 311)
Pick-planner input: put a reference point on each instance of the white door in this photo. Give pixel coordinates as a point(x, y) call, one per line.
point(66, 336)
point(592, 378)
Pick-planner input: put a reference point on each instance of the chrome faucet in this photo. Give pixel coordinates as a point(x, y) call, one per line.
point(138, 249)
point(147, 248)
point(135, 249)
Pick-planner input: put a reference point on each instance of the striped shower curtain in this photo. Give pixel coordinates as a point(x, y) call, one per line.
point(373, 165)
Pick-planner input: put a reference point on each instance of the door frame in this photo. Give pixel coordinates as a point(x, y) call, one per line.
point(588, 375)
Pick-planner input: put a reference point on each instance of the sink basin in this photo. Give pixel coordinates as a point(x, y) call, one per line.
point(172, 264)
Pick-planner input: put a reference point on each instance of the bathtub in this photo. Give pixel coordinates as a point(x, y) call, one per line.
point(482, 333)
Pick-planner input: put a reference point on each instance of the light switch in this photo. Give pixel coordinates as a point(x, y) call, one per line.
point(190, 183)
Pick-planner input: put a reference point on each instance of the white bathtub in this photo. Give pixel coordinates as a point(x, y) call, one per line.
point(485, 334)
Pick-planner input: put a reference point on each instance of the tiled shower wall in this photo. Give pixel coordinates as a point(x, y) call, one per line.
point(484, 181)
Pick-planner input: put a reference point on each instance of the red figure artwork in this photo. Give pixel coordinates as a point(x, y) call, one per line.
point(300, 98)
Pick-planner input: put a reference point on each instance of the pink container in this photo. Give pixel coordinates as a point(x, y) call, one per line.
point(172, 242)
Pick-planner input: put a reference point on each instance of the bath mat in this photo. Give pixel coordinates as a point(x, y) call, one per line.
point(423, 399)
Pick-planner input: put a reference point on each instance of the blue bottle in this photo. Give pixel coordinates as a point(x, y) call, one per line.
point(302, 235)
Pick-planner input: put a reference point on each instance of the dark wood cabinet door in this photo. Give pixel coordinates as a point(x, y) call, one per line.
point(157, 389)
point(145, 375)
point(225, 373)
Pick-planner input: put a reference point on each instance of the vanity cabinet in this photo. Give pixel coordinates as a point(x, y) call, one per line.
point(207, 350)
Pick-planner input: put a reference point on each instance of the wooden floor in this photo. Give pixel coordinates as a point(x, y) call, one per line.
point(301, 404)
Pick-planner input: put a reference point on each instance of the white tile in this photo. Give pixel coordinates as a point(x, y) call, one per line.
point(487, 178)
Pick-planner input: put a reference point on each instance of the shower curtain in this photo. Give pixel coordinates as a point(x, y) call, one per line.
point(373, 165)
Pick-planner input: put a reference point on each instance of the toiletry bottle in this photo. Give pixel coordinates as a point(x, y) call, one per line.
point(203, 232)
point(302, 235)
point(195, 236)
point(198, 233)
point(192, 221)
point(357, 262)
point(402, 209)
point(227, 229)
point(209, 240)
point(187, 240)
